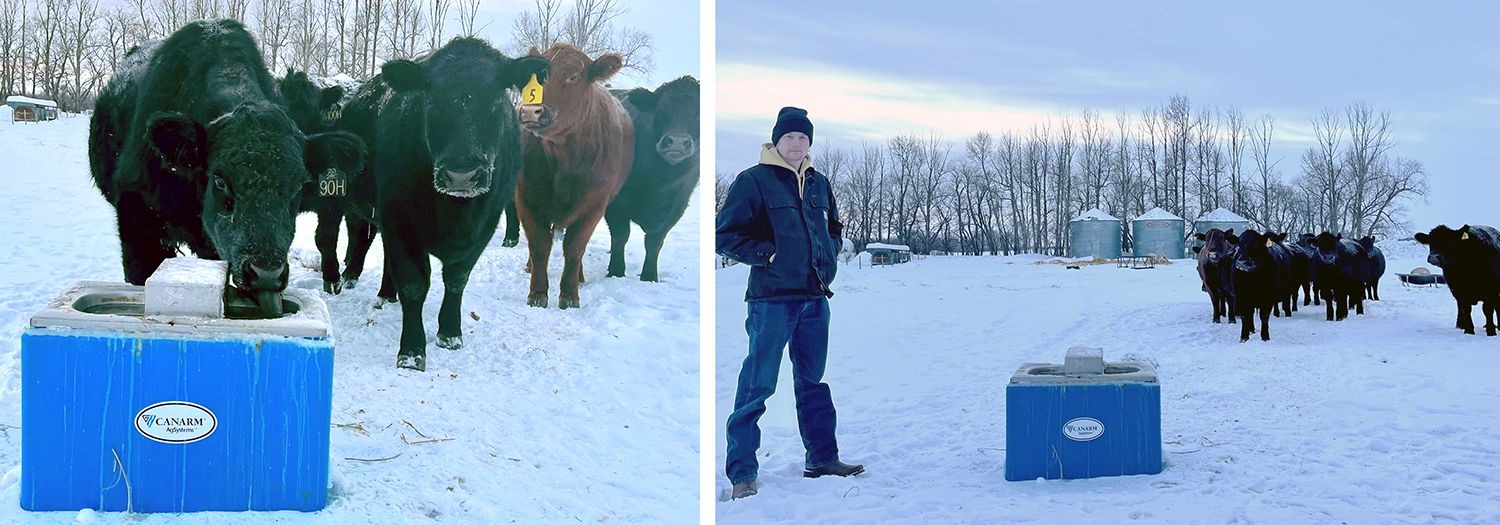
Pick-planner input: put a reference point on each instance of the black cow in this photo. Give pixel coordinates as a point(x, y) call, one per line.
point(1309, 289)
point(192, 145)
point(446, 155)
point(1338, 268)
point(336, 196)
point(1214, 260)
point(1374, 268)
point(664, 173)
point(1261, 275)
point(1470, 259)
point(1302, 271)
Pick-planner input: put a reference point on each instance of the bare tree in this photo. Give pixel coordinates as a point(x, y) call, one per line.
point(589, 26)
point(1265, 168)
point(467, 10)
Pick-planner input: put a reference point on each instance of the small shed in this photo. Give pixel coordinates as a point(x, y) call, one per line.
point(887, 254)
point(1160, 232)
point(27, 109)
point(1094, 234)
point(1222, 219)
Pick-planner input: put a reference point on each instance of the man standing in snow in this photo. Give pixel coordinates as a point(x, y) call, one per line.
point(780, 218)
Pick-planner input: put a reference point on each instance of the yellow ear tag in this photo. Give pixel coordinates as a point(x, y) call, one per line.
point(1268, 243)
point(1465, 237)
point(532, 93)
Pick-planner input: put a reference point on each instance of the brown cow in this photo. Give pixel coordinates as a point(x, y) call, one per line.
point(577, 154)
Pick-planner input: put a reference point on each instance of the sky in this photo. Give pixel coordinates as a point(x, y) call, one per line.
point(869, 70)
point(672, 24)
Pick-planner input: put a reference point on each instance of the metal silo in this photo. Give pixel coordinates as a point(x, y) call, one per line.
point(1094, 234)
point(1159, 232)
point(1223, 220)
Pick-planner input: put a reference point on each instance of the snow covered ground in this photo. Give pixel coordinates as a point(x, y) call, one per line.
point(1388, 417)
point(586, 415)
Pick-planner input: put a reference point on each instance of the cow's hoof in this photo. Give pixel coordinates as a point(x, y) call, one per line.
point(332, 288)
point(1244, 339)
point(1216, 321)
point(648, 278)
point(350, 282)
point(537, 300)
point(450, 342)
point(416, 362)
point(615, 273)
point(565, 304)
point(510, 243)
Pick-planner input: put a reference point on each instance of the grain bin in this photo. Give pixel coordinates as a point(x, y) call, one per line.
point(1094, 234)
point(1222, 219)
point(1160, 232)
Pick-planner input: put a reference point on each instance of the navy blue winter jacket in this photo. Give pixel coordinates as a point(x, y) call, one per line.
point(765, 215)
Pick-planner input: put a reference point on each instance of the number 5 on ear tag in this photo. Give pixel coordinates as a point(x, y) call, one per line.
point(532, 93)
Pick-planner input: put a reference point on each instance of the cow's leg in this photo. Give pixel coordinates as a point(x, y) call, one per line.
point(539, 245)
point(1489, 318)
point(361, 238)
point(143, 238)
point(1307, 294)
point(387, 293)
point(1265, 324)
point(1342, 308)
point(1327, 296)
point(1375, 290)
point(654, 242)
point(327, 238)
point(1293, 299)
point(1247, 323)
point(1465, 317)
point(512, 226)
point(1218, 302)
point(450, 316)
point(411, 272)
point(575, 241)
point(619, 235)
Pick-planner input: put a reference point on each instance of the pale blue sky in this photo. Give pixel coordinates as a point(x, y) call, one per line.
point(873, 69)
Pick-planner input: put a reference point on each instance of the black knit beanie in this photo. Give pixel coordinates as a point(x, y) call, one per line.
point(791, 119)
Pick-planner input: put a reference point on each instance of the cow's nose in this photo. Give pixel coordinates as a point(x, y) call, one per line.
point(258, 278)
point(675, 141)
point(531, 112)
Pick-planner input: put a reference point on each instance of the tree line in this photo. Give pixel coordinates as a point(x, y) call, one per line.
point(66, 50)
point(1017, 191)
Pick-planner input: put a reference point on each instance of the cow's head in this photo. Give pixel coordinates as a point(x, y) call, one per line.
point(670, 115)
point(1252, 250)
point(1443, 244)
point(1326, 246)
point(569, 91)
point(315, 110)
point(468, 117)
point(250, 166)
point(1215, 244)
point(1368, 243)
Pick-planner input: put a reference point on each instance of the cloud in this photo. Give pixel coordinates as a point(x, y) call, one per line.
point(869, 105)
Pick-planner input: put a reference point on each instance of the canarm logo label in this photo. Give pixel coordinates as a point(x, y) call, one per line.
point(176, 422)
point(1157, 224)
point(1083, 429)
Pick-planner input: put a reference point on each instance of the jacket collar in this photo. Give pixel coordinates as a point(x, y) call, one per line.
point(769, 156)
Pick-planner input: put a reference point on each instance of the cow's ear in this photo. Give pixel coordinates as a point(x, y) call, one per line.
point(1230, 232)
point(177, 139)
point(645, 101)
point(404, 75)
point(1197, 249)
point(335, 149)
point(1280, 237)
point(1233, 239)
point(518, 72)
point(605, 66)
point(1421, 237)
point(534, 52)
point(332, 95)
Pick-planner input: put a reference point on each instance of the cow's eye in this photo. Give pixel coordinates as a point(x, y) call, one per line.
point(573, 78)
point(220, 184)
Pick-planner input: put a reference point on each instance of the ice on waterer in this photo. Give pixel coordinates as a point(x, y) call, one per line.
point(125, 406)
point(1084, 418)
point(187, 286)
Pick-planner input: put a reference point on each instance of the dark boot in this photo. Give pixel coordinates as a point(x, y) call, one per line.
point(744, 489)
point(837, 468)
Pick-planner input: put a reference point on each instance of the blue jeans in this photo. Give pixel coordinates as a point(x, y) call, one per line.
point(772, 325)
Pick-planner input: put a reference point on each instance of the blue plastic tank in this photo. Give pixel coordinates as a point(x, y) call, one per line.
point(174, 413)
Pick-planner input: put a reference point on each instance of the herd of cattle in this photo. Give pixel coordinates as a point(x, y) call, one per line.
point(1253, 272)
point(196, 145)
